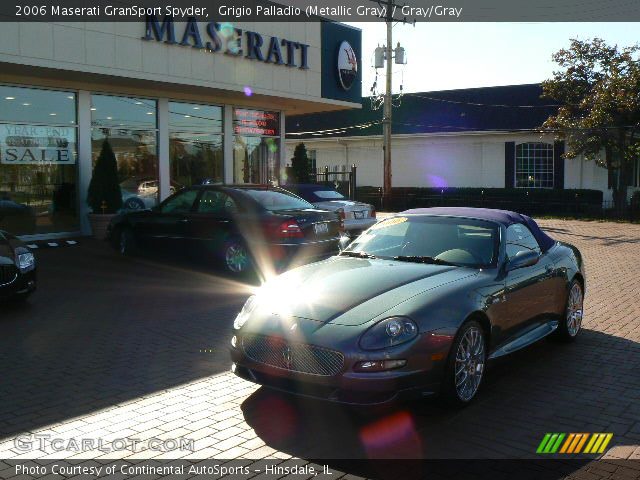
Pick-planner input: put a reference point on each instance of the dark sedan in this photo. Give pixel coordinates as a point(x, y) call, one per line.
point(16, 217)
point(17, 268)
point(244, 226)
point(357, 216)
point(415, 306)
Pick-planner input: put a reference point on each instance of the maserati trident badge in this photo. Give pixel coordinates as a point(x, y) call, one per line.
point(347, 65)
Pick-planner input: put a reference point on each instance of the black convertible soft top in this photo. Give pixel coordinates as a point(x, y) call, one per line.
point(504, 217)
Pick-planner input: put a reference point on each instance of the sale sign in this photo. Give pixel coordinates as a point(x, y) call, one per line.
point(35, 145)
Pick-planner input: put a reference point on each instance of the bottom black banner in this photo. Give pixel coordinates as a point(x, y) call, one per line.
point(543, 469)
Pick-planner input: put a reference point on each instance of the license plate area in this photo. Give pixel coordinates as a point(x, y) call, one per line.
point(321, 228)
point(359, 215)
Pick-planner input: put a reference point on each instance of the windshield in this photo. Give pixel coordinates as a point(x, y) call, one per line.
point(130, 183)
point(328, 195)
point(431, 239)
point(275, 200)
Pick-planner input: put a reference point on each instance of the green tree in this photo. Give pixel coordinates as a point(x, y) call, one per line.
point(104, 186)
point(598, 86)
point(300, 165)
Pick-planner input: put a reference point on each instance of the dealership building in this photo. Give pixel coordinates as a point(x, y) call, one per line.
point(178, 102)
point(478, 137)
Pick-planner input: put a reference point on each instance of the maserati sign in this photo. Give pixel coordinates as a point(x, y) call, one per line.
point(347, 65)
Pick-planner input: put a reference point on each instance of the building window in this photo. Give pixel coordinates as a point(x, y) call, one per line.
point(256, 148)
point(311, 155)
point(534, 165)
point(130, 126)
point(38, 161)
point(196, 153)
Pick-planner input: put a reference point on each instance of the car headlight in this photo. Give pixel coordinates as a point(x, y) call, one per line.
point(25, 260)
point(389, 332)
point(242, 317)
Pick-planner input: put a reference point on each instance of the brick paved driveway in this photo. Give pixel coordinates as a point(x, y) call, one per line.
point(120, 348)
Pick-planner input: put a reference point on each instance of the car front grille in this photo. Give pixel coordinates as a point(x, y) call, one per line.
point(8, 274)
point(297, 357)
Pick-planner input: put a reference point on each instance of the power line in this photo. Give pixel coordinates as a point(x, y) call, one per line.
point(476, 104)
point(444, 128)
point(337, 130)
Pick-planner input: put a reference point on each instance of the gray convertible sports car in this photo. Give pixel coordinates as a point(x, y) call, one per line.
point(415, 306)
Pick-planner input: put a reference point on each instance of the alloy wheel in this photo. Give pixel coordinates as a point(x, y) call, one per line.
point(574, 310)
point(469, 364)
point(134, 204)
point(236, 258)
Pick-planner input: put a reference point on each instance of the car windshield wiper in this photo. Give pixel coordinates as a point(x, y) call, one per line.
point(423, 259)
point(346, 253)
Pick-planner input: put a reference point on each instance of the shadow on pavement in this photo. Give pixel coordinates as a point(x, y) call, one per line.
point(586, 386)
point(103, 329)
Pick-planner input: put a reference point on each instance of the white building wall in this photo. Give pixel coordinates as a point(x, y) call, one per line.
point(453, 160)
point(581, 173)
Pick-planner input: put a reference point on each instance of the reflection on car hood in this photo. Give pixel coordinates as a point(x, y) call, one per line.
point(351, 291)
point(347, 205)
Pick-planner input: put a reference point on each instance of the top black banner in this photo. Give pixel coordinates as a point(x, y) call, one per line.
point(317, 10)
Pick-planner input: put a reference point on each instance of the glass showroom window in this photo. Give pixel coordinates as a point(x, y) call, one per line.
point(130, 126)
point(195, 144)
point(38, 159)
point(256, 148)
point(534, 165)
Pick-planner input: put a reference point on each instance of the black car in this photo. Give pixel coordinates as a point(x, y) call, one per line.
point(17, 268)
point(15, 216)
point(243, 226)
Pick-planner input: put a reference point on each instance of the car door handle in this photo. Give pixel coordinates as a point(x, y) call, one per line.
point(183, 220)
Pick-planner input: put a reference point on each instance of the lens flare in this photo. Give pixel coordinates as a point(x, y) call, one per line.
point(227, 30)
point(393, 436)
point(247, 91)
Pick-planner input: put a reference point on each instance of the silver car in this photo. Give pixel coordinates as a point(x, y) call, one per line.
point(357, 216)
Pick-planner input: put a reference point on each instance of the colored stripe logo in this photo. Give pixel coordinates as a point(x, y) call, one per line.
point(574, 443)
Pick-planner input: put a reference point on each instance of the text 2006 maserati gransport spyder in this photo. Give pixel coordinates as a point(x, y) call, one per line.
point(416, 305)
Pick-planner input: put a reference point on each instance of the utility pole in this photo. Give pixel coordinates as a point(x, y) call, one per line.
point(391, 56)
point(386, 120)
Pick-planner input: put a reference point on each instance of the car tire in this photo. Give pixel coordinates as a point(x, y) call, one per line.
point(571, 324)
point(134, 204)
point(236, 258)
point(126, 242)
point(468, 356)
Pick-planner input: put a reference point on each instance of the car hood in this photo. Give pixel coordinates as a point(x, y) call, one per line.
point(347, 205)
point(351, 291)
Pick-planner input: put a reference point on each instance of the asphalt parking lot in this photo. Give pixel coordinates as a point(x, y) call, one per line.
point(113, 347)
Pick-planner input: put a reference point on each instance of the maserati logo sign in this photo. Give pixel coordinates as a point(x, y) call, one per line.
point(286, 356)
point(347, 65)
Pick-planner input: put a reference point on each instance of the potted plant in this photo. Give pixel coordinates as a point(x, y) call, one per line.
point(104, 196)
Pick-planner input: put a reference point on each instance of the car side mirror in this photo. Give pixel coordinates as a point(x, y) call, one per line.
point(522, 259)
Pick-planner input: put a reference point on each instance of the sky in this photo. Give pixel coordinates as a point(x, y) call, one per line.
point(443, 56)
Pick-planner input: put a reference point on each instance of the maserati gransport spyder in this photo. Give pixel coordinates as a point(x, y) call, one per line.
point(415, 306)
